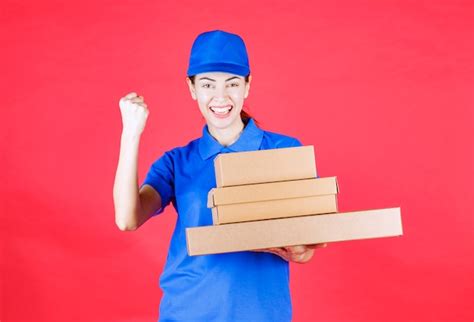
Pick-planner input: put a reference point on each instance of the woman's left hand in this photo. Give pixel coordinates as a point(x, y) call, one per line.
point(298, 254)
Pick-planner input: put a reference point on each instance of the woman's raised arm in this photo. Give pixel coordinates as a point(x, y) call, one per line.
point(133, 207)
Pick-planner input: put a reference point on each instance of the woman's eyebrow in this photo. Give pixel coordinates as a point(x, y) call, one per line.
point(213, 80)
point(231, 78)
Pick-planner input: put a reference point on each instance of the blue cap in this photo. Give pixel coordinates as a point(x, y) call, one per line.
point(218, 51)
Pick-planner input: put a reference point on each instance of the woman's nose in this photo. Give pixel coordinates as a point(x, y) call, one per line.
point(221, 92)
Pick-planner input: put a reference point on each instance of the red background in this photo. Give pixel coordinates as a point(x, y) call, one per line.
point(382, 89)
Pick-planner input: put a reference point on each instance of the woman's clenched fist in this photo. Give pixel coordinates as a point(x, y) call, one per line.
point(134, 114)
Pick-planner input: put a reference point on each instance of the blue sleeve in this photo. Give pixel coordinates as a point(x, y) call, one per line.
point(288, 142)
point(161, 177)
point(296, 142)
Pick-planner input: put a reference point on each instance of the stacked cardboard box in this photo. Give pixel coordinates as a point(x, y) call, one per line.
point(270, 184)
point(273, 198)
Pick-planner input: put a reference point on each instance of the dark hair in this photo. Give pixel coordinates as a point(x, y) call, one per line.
point(244, 115)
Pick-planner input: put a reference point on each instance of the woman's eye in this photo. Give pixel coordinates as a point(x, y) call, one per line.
point(234, 85)
point(206, 85)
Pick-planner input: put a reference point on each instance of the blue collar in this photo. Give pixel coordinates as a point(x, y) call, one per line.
point(249, 140)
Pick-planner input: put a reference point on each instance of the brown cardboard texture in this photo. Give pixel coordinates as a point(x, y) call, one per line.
point(271, 209)
point(283, 164)
point(294, 231)
point(272, 191)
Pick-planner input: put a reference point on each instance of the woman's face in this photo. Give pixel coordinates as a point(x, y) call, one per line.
point(220, 97)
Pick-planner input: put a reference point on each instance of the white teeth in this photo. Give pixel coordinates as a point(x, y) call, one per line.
point(221, 110)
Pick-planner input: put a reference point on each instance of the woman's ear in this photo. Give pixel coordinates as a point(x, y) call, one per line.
point(192, 90)
point(247, 87)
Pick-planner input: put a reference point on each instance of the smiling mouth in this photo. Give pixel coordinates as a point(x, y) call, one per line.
point(221, 110)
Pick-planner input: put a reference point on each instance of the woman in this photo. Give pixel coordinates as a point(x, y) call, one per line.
point(240, 286)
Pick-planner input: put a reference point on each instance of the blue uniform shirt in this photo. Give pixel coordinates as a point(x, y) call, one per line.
point(241, 286)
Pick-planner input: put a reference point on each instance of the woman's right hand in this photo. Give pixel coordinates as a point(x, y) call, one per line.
point(134, 114)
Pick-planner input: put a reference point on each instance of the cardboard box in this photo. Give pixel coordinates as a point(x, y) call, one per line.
point(294, 231)
point(284, 164)
point(271, 209)
point(272, 191)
